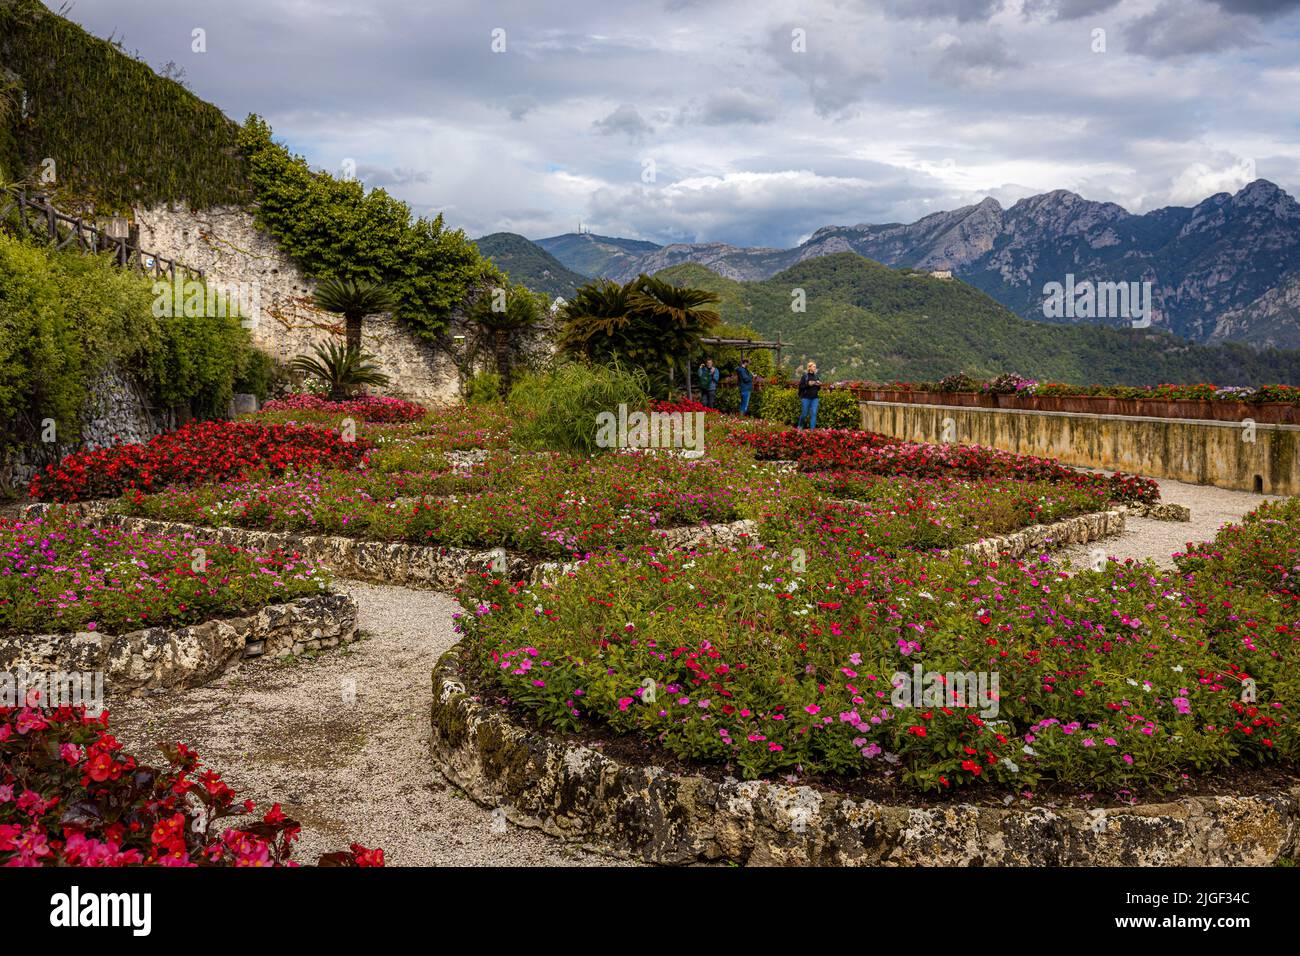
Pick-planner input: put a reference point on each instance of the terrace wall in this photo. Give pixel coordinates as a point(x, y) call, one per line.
point(1193, 450)
point(226, 243)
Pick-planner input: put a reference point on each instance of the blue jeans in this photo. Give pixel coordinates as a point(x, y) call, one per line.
point(744, 401)
point(809, 411)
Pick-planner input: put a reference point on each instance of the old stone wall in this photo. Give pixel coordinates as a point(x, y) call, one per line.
point(116, 412)
point(653, 814)
point(1262, 458)
point(157, 658)
point(227, 244)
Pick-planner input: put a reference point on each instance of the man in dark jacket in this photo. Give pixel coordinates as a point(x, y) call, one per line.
point(810, 385)
point(709, 377)
point(745, 379)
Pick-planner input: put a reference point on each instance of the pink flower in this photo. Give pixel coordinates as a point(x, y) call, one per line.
point(813, 709)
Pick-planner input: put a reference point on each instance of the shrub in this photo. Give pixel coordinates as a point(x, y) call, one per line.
point(70, 795)
point(196, 453)
point(65, 317)
point(837, 409)
point(338, 370)
point(484, 387)
point(259, 374)
point(557, 410)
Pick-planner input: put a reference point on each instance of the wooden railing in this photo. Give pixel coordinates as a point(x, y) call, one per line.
point(31, 214)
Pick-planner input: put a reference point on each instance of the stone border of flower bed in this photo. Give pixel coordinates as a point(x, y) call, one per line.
point(173, 656)
point(648, 813)
point(1080, 529)
point(440, 568)
point(443, 568)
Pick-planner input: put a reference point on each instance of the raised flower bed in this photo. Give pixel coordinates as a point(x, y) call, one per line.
point(153, 611)
point(782, 667)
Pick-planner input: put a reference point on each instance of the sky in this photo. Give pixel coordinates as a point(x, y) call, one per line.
point(745, 121)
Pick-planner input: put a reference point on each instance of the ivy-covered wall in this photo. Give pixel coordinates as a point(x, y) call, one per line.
point(118, 133)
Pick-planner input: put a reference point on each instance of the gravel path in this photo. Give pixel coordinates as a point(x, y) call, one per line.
point(342, 742)
point(1144, 538)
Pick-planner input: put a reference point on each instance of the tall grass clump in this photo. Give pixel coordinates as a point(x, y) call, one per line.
point(555, 410)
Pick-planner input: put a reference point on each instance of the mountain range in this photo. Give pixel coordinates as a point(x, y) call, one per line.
point(864, 320)
point(1226, 269)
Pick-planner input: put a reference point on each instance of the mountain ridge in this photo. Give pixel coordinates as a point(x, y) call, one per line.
point(1215, 268)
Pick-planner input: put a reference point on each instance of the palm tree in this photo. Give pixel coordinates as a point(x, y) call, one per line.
point(343, 370)
point(504, 313)
point(597, 322)
point(647, 323)
point(680, 317)
point(354, 299)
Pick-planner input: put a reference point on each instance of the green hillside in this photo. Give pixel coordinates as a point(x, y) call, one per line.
point(864, 320)
point(529, 264)
point(117, 132)
point(592, 255)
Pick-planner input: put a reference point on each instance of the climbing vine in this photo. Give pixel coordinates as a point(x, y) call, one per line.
point(117, 132)
point(335, 227)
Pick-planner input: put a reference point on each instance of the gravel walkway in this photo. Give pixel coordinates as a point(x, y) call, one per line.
point(1144, 538)
point(342, 743)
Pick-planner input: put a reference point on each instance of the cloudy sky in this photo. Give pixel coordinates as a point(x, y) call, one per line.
point(747, 121)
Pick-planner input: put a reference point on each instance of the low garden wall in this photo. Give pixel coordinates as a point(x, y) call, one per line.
point(648, 813)
point(186, 656)
point(439, 568)
point(1258, 457)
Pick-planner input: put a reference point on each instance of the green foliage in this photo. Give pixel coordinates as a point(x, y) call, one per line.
point(259, 375)
point(483, 388)
point(867, 321)
point(119, 133)
point(334, 227)
point(353, 299)
point(648, 322)
point(837, 409)
point(529, 264)
point(557, 409)
point(64, 317)
point(501, 315)
point(340, 370)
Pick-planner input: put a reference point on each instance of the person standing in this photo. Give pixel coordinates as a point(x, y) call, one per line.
point(810, 385)
point(709, 377)
point(745, 379)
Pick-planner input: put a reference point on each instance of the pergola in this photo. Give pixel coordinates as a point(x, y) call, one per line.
point(745, 345)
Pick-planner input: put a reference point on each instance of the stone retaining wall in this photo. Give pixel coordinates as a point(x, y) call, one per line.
point(116, 412)
point(1047, 537)
point(186, 656)
point(1263, 458)
point(644, 812)
point(440, 568)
